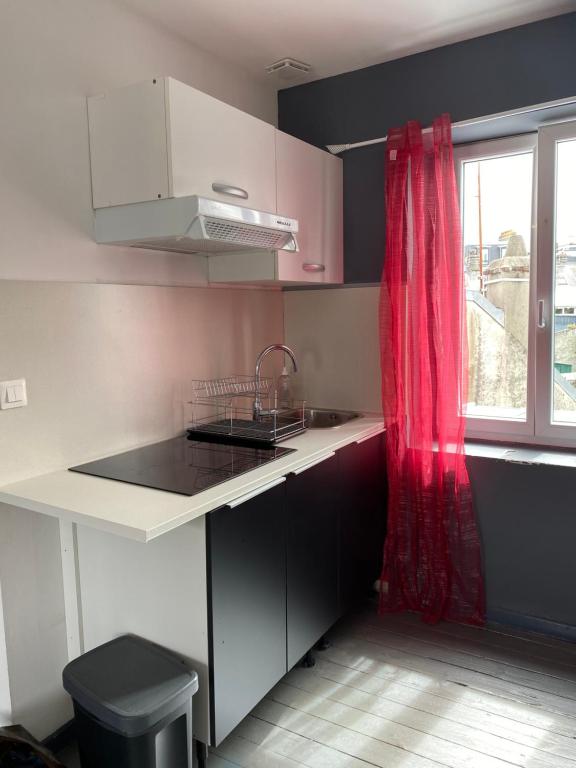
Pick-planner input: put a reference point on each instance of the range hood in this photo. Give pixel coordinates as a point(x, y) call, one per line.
point(194, 225)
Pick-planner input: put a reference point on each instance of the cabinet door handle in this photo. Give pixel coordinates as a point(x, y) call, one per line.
point(255, 492)
point(228, 189)
point(312, 463)
point(309, 267)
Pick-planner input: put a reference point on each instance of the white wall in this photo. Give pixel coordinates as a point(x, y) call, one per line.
point(53, 53)
point(334, 334)
point(5, 700)
point(35, 628)
point(106, 365)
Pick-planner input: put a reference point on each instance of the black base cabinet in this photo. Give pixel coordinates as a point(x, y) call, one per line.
point(312, 556)
point(283, 567)
point(247, 606)
point(363, 499)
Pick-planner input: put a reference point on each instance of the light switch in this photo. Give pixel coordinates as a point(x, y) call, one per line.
point(13, 394)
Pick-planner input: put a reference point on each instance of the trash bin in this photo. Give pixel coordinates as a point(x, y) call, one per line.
point(132, 705)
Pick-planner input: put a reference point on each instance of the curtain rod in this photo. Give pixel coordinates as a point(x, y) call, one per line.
point(336, 149)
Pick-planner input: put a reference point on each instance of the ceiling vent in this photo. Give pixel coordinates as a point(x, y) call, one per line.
point(288, 69)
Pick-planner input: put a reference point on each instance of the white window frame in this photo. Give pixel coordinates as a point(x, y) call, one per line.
point(480, 427)
point(548, 138)
point(538, 428)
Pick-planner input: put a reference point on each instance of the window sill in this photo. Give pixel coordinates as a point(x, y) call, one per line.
point(521, 455)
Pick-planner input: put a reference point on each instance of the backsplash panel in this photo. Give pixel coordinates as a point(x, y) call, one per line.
point(334, 334)
point(108, 366)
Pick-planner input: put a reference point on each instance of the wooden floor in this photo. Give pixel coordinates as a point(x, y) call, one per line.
point(395, 693)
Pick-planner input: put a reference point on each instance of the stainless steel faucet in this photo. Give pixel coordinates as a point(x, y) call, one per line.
point(257, 409)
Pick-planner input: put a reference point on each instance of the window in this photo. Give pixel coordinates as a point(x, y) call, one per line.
point(521, 289)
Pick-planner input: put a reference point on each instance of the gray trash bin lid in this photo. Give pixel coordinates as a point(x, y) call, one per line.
point(129, 684)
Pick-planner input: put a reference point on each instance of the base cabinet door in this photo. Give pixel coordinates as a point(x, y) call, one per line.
point(247, 606)
point(312, 556)
point(363, 499)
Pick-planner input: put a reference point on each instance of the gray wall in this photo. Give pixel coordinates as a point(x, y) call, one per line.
point(526, 513)
point(494, 73)
point(528, 529)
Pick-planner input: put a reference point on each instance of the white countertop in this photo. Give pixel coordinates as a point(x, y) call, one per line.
point(143, 513)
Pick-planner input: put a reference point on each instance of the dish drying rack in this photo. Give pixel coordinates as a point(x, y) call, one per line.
point(224, 408)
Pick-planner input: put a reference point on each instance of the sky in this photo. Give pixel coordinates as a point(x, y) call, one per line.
point(566, 192)
point(506, 196)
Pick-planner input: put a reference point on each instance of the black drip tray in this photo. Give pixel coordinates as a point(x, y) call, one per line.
point(268, 430)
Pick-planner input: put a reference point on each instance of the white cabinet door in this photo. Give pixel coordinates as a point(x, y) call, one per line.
point(333, 220)
point(309, 188)
point(214, 146)
point(162, 138)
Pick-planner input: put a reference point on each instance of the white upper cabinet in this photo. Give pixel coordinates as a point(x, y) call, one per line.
point(219, 151)
point(309, 188)
point(162, 138)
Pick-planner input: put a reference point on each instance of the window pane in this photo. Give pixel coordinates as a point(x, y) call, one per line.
point(564, 382)
point(497, 225)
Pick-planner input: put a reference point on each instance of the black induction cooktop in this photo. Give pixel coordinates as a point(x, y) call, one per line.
point(181, 465)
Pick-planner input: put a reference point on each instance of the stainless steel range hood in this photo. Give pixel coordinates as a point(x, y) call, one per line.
point(194, 225)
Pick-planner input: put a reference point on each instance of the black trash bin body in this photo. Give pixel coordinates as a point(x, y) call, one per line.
point(132, 705)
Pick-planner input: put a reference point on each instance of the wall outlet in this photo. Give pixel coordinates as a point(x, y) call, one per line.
point(13, 394)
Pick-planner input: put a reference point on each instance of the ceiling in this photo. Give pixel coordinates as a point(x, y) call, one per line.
point(336, 36)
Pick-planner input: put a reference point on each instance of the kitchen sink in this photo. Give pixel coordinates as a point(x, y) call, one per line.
point(324, 418)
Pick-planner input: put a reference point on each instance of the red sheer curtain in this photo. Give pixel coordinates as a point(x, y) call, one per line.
point(432, 558)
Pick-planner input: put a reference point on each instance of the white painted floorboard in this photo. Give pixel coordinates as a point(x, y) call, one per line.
point(393, 692)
